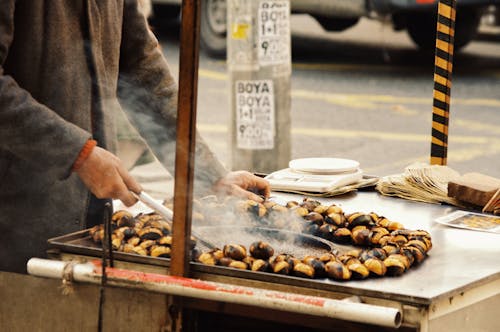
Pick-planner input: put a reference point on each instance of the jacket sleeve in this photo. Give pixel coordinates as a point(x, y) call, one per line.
point(28, 129)
point(148, 94)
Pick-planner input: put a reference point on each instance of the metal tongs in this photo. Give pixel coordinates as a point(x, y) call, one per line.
point(168, 215)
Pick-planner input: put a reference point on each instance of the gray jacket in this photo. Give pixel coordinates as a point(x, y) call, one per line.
point(66, 67)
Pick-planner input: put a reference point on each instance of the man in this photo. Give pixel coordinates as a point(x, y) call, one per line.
point(66, 67)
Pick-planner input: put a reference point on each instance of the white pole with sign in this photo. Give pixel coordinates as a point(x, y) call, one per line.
point(259, 65)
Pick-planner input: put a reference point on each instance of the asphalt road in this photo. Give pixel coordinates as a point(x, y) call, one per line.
point(366, 94)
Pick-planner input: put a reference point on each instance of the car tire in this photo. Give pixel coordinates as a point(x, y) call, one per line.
point(421, 28)
point(213, 27)
point(336, 23)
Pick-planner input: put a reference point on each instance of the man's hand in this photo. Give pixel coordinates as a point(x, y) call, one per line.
point(243, 184)
point(103, 173)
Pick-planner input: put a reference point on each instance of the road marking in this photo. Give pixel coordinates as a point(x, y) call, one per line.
point(329, 133)
point(454, 156)
point(368, 101)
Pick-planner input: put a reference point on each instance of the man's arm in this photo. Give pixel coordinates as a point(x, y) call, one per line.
point(148, 93)
point(28, 129)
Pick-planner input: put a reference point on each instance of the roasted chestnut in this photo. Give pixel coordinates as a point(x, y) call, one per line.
point(165, 240)
point(378, 253)
point(358, 270)
point(377, 234)
point(238, 265)
point(260, 265)
point(160, 251)
point(338, 271)
point(123, 218)
point(394, 225)
point(262, 250)
point(281, 267)
point(336, 219)
point(359, 219)
point(140, 251)
point(375, 266)
point(314, 217)
point(334, 209)
point(300, 211)
point(310, 204)
point(317, 265)
point(207, 258)
point(361, 235)
point(149, 233)
point(303, 270)
point(321, 209)
point(417, 253)
point(342, 235)
point(326, 231)
point(394, 265)
point(134, 240)
point(235, 251)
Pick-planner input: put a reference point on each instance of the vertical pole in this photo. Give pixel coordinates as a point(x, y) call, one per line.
point(443, 68)
point(186, 134)
point(259, 64)
point(185, 151)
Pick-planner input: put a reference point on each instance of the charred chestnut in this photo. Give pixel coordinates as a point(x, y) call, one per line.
point(334, 209)
point(310, 204)
point(161, 251)
point(317, 265)
point(394, 265)
point(359, 219)
point(326, 231)
point(165, 240)
point(338, 271)
point(342, 235)
point(375, 266)
point(378, 253)
point(336, 219)
point(123, 218)
point(134, 240)
point(361, 235)
point(281, 267)
point(417, 253)
point(260, 265)
point(314, 217)
point(303, 270)
point(262, 250)
point(358, 270)
point(149, 233)
point(377, 234)
point(235, 251)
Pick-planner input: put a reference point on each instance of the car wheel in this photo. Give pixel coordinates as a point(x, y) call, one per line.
point(336, 23)
point(422, 28)
point(213, 27)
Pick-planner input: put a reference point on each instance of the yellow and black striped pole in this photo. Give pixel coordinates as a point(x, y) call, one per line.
point(443, 68)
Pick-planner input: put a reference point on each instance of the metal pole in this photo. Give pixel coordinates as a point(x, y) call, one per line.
point(259, 65)
point(443, 68)
point(350, 309)
point(186, 136)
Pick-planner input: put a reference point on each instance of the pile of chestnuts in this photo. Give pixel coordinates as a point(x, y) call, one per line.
point(383, 247)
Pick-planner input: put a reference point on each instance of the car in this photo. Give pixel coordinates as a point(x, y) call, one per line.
point(417, 17)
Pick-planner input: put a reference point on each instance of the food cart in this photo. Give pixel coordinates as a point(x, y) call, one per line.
point(456, 289)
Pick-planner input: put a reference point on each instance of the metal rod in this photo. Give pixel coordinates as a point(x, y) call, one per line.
point(215, 291)
point(186, 136)
point(443, 67)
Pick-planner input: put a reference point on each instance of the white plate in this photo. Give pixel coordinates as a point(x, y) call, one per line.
point(323, 165)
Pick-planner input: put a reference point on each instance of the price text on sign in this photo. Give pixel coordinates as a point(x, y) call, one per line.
point(274, 32)
point(255, 114)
